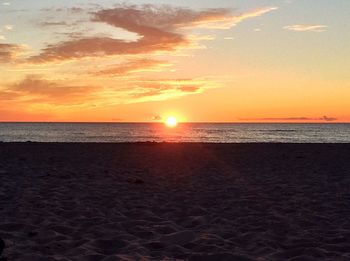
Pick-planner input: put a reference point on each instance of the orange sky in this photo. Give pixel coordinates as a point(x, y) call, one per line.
point(251, 61)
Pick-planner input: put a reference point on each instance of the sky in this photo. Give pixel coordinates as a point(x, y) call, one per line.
point(199, 61)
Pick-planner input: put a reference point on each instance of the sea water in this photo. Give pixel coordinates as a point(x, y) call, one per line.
point(185, 132)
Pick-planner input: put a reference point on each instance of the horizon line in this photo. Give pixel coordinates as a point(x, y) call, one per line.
point(188, 122)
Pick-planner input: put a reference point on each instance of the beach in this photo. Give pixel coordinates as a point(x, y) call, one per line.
point(174, 201)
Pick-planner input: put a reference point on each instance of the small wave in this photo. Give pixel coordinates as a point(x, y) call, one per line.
point(273, 130)
point(281, 130)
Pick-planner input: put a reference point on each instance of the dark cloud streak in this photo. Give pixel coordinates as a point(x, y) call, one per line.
point(323, 118)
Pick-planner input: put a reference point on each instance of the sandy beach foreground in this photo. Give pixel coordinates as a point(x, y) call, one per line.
point(147, 201)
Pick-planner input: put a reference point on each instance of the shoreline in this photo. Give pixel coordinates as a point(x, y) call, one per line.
point(171, 142)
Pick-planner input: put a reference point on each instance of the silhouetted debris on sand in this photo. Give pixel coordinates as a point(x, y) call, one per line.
point(105, 202)
point(2, 247)
point(135, 181)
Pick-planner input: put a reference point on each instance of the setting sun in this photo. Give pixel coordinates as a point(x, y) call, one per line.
point(194, 122)
point(171, 122)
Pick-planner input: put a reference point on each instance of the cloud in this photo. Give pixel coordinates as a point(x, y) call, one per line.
point(323, 118)
point(95, 46)
point(2, 37)
point(158, 27)
point(152, 90)
point(8, 27)
point(36, 89)
point(73, 9)
point(306, 28)
point(9, 52)
point(156, 118)
point(256, 13)
point(221, 18)
point(7, 95)
point(133, 66)
point(146, 90)
point(47, 23)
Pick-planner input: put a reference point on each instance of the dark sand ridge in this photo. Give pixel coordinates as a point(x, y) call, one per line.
point(164, 201)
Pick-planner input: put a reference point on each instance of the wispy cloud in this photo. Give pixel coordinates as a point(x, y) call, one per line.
point(158, 28)
point(8, 27)
point(306, 28)
point(133, 66)
point(2, 29)
point(37, 89)
point(9, 52)
point(47, 23)
point(155, 90)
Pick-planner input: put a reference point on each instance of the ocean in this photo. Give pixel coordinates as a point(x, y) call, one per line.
point(185, 132)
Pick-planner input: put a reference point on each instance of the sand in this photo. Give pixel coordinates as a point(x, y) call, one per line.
point(147, 201)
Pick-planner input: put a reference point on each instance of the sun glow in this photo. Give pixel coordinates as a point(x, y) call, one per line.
point(171, 122)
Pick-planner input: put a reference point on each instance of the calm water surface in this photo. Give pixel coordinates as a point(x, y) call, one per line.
point(186, 132)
